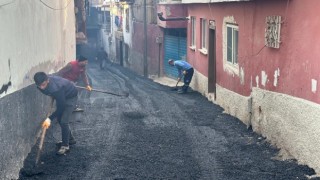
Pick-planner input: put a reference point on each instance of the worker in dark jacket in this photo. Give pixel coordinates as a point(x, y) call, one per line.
point(65, 94)
point(184, 69)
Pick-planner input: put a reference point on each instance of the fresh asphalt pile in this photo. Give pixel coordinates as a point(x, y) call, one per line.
point(155, 133)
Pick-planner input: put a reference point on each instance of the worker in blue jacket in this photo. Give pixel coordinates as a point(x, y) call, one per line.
point(65, 94)
point(184, 69)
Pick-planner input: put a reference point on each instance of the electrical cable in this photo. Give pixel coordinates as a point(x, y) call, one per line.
point(5, 4)
point(55, 8)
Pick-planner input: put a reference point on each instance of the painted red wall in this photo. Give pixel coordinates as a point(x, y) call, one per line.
point(153, 31)
point(298, 55)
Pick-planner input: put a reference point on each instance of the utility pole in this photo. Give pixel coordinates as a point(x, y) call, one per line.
point(145, 58)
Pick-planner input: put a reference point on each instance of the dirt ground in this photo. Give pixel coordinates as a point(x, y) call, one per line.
point(155, 133)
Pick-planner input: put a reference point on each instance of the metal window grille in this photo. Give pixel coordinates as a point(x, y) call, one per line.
point(272, 32)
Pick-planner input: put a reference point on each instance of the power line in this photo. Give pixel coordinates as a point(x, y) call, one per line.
point(55, 8)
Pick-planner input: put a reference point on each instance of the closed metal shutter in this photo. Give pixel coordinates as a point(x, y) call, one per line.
point(175, 47)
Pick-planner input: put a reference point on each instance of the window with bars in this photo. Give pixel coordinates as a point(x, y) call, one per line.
point(232, 43)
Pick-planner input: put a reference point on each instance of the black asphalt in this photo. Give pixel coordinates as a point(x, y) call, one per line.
point(156, 133)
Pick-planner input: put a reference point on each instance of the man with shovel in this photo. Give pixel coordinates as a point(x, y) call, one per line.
point(184, 69)
point(73, 71)
point(65, 94)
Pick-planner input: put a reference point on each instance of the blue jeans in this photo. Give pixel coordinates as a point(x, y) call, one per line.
point(187, 79)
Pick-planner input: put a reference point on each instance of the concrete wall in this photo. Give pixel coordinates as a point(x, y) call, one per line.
point(234, 104)
point(22, 113)
point(33, 38)
point(225, 98)
point(290, 123)
point(199, 82)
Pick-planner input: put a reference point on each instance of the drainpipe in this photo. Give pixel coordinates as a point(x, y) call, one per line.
point(145, 57)
point(172, 19)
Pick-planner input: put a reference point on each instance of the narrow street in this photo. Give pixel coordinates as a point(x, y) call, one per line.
point(155, 133)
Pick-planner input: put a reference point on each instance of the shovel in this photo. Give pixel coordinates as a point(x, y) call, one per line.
point(106, 92)
point(43, 134)
point(33, 170)
point(176, 87)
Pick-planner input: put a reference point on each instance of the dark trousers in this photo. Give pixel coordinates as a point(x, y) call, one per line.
point(102, 63)
point(66, 133)
point(187, 79)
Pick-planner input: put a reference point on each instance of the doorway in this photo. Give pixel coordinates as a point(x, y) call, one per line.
point(212, 73)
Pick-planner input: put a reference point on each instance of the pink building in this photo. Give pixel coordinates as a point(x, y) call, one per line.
point(259, 60)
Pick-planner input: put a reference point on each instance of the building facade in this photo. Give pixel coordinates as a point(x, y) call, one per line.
point(256, 59)
point(125, 42)
point(259, 61)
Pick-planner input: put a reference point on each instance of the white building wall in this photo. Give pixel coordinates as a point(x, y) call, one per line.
point(112, 46)
point(34, 38)
point(127, 36)
point(105, 40)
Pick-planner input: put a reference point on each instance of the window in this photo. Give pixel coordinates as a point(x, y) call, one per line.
point(193, 33)
point(232, 43)
point(203, 34)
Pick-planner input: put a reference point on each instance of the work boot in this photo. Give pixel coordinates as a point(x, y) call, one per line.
point(63, 150)
point(71, 142)
point(181, 91)
point(184, 89)
point(77, 109)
